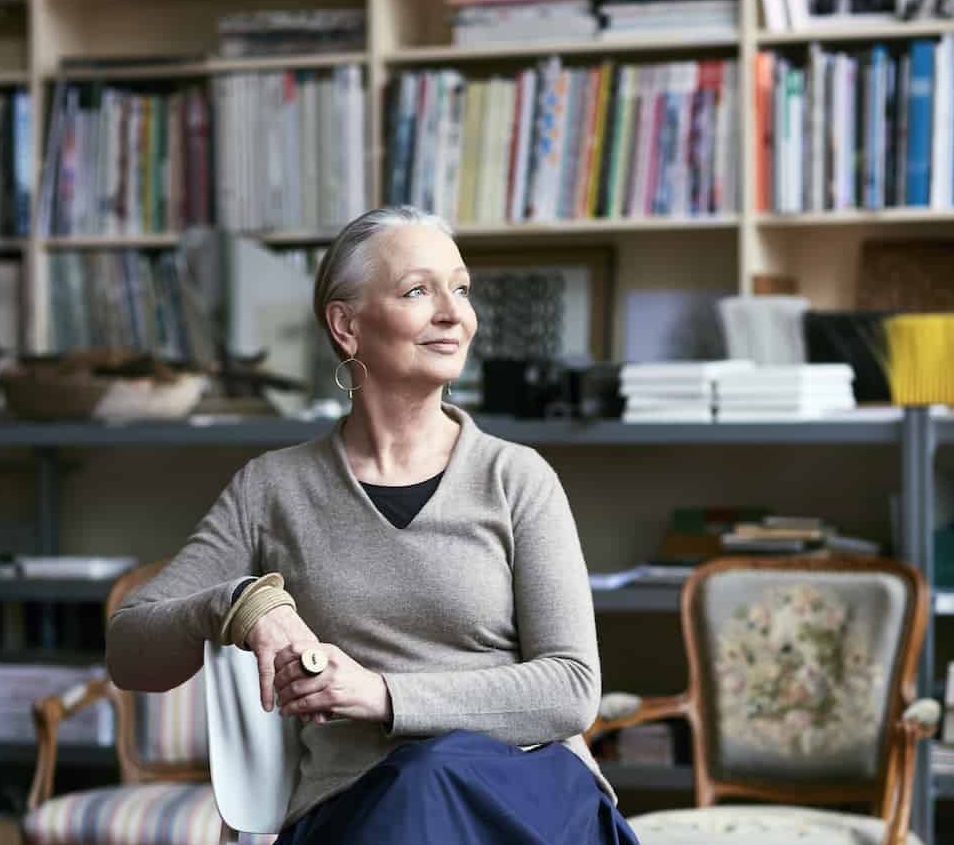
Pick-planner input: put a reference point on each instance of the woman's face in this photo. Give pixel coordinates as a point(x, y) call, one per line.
point(415, 321)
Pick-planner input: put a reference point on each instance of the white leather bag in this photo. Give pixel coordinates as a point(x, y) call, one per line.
point(253, 755)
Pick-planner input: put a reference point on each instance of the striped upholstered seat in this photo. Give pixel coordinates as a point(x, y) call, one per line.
point(165, 797)
point(144, 814)
point(141, 814)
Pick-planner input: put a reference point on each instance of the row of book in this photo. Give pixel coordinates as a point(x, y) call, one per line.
point(291, 149)
point(282, 150)
point(126, 299)
point(125, 162)
point(556, 142)
point(867, 129)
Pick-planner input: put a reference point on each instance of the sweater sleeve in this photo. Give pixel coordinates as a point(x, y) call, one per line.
point(154, 641)
point(553, 693)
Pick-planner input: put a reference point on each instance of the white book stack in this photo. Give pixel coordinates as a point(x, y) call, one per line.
point(673, 391)
point(783, 393)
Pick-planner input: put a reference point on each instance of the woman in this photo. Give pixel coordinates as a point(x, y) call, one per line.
point(413, 589)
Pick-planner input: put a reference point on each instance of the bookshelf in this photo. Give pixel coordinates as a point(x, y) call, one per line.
point(44, 41)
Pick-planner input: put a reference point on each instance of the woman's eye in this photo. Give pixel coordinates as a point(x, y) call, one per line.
point(464, 291)
point(417, 291)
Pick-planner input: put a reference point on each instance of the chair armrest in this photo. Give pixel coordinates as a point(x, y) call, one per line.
point(48, 712)
point(621, 710)
point(919, 721)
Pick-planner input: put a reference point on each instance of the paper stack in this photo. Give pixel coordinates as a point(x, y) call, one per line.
point(673, 391)
point(785, 392)
point(22, 683)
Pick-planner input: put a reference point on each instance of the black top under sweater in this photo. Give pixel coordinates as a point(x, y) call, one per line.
point(401, 504)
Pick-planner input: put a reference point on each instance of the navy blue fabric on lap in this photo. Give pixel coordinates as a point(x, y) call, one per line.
point(468, 789)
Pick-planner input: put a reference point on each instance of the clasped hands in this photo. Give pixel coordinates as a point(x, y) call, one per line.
point(343, 690)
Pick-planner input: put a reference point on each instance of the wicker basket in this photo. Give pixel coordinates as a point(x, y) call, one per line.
point(47, 395)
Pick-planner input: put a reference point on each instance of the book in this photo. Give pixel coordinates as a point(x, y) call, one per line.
point(73, 566)
point(642, 573)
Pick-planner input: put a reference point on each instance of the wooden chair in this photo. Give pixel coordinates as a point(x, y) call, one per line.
point(164, 796)
point(800, 694)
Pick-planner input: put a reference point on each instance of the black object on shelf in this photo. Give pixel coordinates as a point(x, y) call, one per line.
point(855, 338)
point(543, 388)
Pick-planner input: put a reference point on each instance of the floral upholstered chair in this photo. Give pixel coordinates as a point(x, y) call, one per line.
point(164, 798)
point(801, 674)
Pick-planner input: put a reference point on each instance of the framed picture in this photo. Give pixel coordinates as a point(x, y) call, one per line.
point(551, 303)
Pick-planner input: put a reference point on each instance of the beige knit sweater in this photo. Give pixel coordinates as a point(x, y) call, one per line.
point(478, 613)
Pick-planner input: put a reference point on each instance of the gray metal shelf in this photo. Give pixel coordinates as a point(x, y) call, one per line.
point(78, 590)
point(644, 597)
point(274, 431)
point(648, 776)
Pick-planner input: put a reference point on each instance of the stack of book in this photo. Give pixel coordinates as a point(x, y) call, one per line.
point(782, 393)
point(792, 535)
point(476, 22)
point(698, 19)
point(282, 33)
point(22, 684)
point(674, 391)
point(942, 752)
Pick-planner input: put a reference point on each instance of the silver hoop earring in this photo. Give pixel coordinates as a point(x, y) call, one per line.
point(449, 391)
point(350, 388)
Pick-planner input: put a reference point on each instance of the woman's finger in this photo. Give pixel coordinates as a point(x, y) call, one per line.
point(290, 663)
point(266, 678)
point(300, 688)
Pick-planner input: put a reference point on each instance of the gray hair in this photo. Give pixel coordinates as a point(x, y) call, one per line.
point(346, 265)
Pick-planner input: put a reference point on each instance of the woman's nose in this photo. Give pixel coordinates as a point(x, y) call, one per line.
point(448, 309)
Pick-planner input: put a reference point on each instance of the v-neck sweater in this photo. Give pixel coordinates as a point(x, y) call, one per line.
point(478, 614)
point(401, 503)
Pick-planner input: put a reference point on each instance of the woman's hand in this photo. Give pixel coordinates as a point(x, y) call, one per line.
point(272, 633)
point(343, 690)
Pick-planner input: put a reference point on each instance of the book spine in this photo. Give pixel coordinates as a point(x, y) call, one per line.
point(920, 109)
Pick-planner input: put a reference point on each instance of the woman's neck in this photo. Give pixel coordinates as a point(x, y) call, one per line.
point(398, 443)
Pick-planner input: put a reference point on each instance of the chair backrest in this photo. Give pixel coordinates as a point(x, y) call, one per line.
point(254, 755)
point(160, 736)
point(798, 669)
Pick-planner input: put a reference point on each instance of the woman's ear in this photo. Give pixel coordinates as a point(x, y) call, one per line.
point(340, 317)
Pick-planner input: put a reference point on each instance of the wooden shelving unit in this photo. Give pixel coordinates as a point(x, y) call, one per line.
point(158, 40)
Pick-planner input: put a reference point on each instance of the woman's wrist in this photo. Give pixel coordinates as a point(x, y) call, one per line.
point(256, 599)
